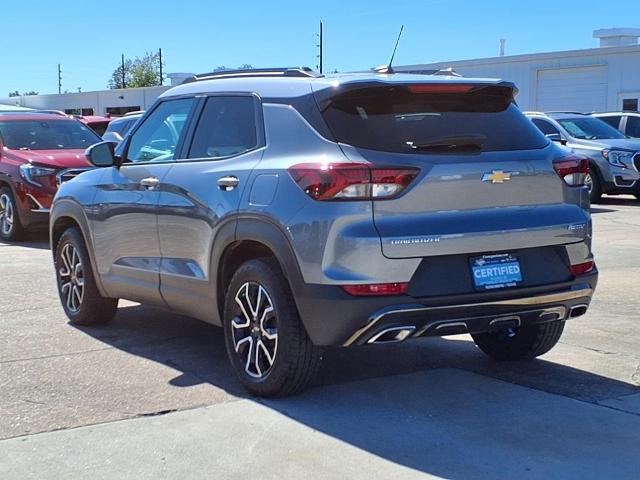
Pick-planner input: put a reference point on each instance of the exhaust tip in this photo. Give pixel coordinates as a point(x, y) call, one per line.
point(577, 310)
point(452, 328)
point(393, 334)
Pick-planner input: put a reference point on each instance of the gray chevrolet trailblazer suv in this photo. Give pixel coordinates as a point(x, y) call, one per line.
point(299, 211)
point(614, 159)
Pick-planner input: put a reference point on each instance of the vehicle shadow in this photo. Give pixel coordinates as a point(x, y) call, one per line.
point(36, 239)
point(618, 200)
point(421, 406)
point(596, 210)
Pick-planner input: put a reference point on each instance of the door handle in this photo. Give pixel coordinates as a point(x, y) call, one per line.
point(149, 183)
point(228, 183)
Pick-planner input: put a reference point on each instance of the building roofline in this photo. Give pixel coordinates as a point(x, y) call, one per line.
point(596, 51)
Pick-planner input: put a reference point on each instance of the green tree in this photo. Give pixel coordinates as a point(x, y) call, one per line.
point(139, 72)
point(31, 92)
point(15, 93)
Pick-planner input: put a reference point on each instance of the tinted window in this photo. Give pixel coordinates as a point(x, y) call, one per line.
point(46, 135)
point(633, 126)
point(226, 127)
point(589, 128)
point(158, 136)
point(408, 119)
point(545, 127)
point(630, 104)
point(613, 120)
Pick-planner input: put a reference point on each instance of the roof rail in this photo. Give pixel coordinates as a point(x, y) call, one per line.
point(255, 72)
point(567, 111)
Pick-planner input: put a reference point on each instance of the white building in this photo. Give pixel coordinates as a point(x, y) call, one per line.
point(595, 79)
point(604, 78)
point(115, 102)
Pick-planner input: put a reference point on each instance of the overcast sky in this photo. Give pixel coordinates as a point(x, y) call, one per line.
point(87, 38)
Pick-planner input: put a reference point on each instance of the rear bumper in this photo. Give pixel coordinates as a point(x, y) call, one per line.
point(333, 317)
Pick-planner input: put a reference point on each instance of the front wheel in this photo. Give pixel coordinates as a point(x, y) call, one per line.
point(520, 343)
point(77, 288)
point(592, 181)
point(10, 227)
point(266, 341)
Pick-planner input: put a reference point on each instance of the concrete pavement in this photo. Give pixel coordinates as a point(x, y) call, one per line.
point(442, 423)
point(154, 385)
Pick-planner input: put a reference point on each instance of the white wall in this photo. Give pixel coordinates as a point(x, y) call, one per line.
point(622, 65)
point(99, 101)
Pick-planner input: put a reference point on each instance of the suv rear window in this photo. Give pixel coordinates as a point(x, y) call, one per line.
point(399, 118)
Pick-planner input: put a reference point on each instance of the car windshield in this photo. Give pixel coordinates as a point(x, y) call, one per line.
point(589, 128)
point(430, 119)
point(46, 135)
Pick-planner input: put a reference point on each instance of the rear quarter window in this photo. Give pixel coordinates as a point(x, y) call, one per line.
point(392, 118)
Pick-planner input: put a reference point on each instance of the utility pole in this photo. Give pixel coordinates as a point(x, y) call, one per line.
point(59, 80)
point(160, 57)
point(320, 47)
point(123, 81)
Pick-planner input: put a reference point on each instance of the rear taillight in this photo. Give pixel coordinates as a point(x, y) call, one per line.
point(351, 181)
point(581, 268)
point(572, 169)
point(376, 289)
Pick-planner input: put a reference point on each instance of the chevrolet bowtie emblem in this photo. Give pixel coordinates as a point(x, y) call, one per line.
point(496, 176)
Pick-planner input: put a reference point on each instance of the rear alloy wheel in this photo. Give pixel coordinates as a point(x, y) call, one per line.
point(266, 341)
point(592, 182)
point(254, 330)
point(10, 227)
point(77, 289)
point(520, 343)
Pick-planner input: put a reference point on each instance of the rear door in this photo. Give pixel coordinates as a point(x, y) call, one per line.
point(201, 195)
point(125, 224)
point(486, 181)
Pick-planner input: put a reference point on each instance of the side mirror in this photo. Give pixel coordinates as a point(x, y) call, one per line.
point(101, 154)
point(556, 137)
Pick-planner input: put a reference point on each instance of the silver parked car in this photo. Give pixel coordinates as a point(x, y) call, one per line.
point(119, 127)
point(614, 159)
point(627, 122)
point(299, 211)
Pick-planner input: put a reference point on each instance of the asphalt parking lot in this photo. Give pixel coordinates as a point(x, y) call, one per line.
point(152, 396)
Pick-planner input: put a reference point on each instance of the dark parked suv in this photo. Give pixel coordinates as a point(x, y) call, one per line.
point(299, 211)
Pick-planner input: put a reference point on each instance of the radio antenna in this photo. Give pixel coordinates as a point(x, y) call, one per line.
point(387, 68)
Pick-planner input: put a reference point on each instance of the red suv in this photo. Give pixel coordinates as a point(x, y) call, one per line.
point(37, 152)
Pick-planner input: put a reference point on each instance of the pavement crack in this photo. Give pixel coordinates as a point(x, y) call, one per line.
point(67, 354)
point(157, 413)
point(597, 350)
point(636, 376)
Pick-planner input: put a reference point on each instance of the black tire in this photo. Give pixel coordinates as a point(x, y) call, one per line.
point(294, 358)
point(11, 229)
point(87, 307)
point(521, 343)
point(595, 190)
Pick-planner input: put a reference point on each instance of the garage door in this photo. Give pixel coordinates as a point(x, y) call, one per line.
point(581, 89)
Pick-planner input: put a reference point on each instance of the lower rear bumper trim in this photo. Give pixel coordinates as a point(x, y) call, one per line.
point(536, 302)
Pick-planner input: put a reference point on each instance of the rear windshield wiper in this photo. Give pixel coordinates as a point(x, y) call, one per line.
point(453, 143)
